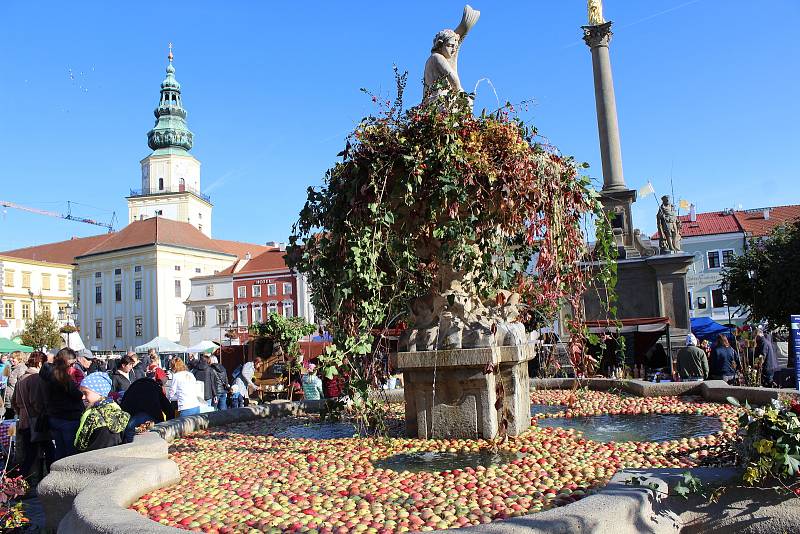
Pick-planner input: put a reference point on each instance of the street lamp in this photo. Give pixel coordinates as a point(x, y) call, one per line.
point(752, 275)
point(30, 292)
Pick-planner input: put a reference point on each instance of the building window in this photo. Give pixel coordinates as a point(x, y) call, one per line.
point(118, 328)
point(272, 307)
point(242, 292)
point(200, 227)
point(62, 283)
point(199, 317)
point(78, 282)
point(690, 296)
point(287, 288)
point(117, 272)
point(46, 281)
point(713, 259)
point(46, 309)
point(8, 310)
point(26, 280)
point(272, 290)
point(288, 308)
point(137, 322)
point(257, 311)
point(177, 267)
point(160, 184)
point(701, 303)
point(197, 270)
point(720, 258)
point(26, 310)
point(178, 325)
point(8, 278)
point(98, 329)
point(118, 292)
point(717, 298)
point(98, 274)
point(223, 315)
point(137, 290)
point(137, 268)
point(727, 257)
point(77, 297)
point(210, 290)
point(199, 215)
point(256, 290)
point(98, 295)
point(243, 319)
point(177, 288)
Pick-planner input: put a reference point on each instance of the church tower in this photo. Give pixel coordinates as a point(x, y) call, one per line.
point(170, 175)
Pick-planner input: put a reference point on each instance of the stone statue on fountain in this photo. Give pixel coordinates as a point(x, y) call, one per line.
point(452, 315)
point(441, 69)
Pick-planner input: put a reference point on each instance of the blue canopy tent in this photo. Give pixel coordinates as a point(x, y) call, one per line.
point(706, 328)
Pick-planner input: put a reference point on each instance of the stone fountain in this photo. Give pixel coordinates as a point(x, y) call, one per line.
point(464, 359)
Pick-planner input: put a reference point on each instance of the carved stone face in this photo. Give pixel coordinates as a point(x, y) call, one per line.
point(449, 47)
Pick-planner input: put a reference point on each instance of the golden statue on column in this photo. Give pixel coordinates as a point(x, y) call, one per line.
point(596, 13)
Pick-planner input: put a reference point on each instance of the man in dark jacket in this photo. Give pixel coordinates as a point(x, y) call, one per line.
point(145, 401)
point(221, 384)
point(692, 361)
point(122, 377)
point(764, 348)
point(139, 367)
point(203, 373)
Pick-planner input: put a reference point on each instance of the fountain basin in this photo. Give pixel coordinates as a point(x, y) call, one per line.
point(638, 427)
point(437, 462)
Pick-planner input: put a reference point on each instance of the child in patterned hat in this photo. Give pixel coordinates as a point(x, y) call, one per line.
point(103, 422)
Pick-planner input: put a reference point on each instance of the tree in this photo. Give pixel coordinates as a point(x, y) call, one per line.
point(42, 331)
point(765, 280)
point(285, 332)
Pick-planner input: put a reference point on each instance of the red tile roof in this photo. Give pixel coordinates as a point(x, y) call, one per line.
point(710, 223)
point(269, 261)
point(240, 248)
point(754, 223)
point(59, 252)
point(156, 230)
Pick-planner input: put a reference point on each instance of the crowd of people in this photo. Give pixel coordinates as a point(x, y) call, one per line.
point(701, 360)
point(69, 402)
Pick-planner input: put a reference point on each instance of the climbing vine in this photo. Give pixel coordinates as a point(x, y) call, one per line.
point(436, 186)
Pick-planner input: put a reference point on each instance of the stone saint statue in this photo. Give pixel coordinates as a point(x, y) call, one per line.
point(443, 63)
point(669, 227)
point(596, 13)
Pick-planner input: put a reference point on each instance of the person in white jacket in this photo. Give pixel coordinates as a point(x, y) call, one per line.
point(183, 389)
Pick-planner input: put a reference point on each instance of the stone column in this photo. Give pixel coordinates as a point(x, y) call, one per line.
point(597, 38)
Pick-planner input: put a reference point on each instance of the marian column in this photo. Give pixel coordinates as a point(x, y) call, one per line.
point(597, 37)
point(615, 195)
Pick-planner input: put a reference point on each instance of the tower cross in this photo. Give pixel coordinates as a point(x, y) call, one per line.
point(170, 52)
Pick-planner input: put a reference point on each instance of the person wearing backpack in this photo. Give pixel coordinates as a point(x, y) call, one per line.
point(221, 384)
point(203, 373)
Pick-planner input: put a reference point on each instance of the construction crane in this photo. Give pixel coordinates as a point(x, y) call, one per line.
point(69, 216)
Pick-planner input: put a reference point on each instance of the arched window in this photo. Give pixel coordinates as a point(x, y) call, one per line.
point(181, 184)
point(160, 184)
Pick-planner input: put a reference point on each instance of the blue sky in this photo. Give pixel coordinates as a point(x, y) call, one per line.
point(707, 90)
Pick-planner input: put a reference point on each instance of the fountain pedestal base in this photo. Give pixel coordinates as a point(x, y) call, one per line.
point(466, 393)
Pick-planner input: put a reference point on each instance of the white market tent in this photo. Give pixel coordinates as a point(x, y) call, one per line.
point(161, 344)
point(203, 346)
